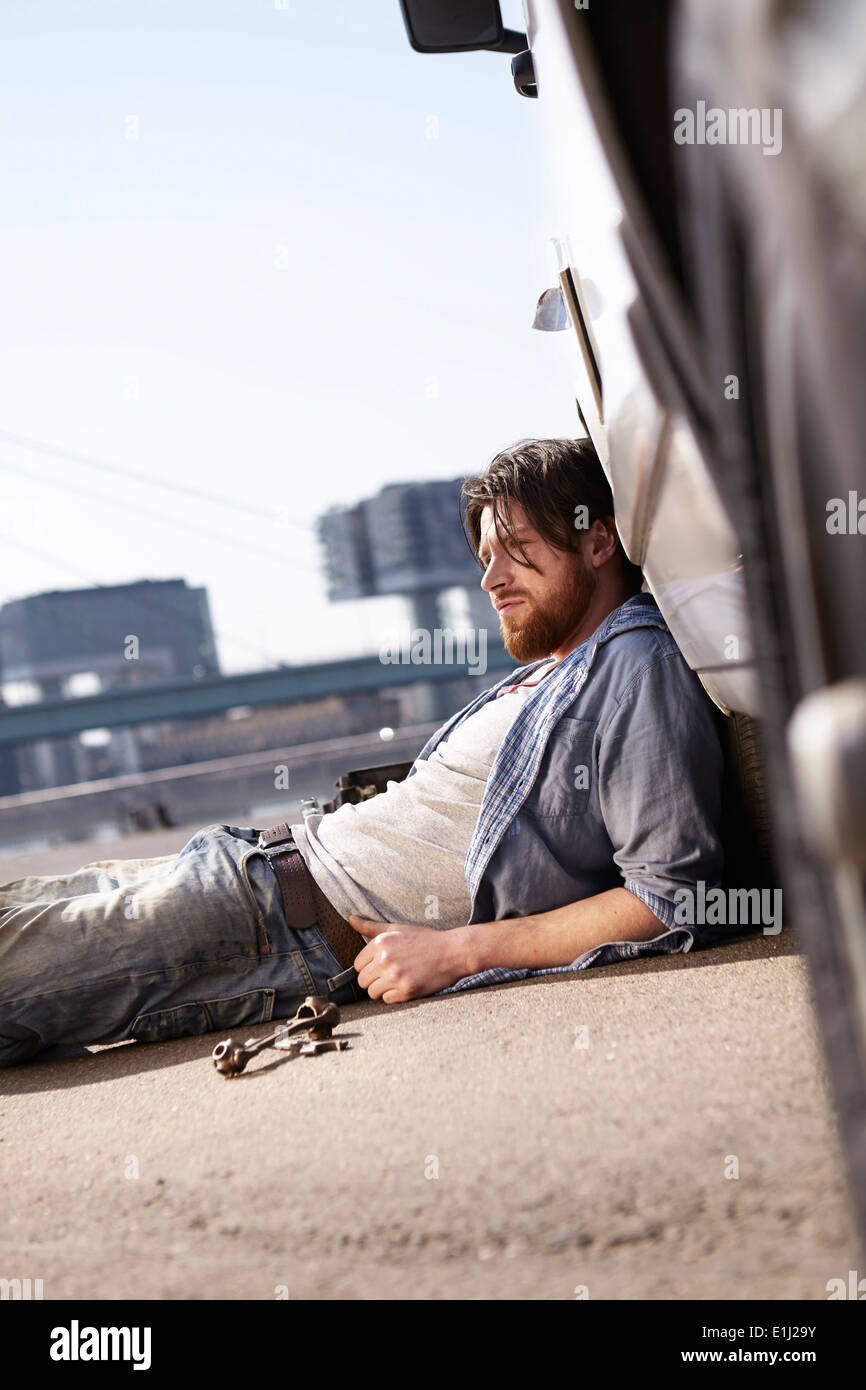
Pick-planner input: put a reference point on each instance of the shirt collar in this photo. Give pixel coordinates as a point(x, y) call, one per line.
point(641, 610)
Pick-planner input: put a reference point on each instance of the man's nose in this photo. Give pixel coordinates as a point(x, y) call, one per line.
point(500, 571)
point(493, 575)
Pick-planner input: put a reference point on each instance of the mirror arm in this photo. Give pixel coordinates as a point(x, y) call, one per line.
point(511, 42)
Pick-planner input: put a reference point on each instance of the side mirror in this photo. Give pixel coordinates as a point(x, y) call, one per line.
point(443, 26)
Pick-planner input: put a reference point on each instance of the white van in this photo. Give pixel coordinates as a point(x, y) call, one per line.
point(720, 330)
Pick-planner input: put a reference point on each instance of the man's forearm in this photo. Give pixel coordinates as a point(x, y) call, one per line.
point(558, 937)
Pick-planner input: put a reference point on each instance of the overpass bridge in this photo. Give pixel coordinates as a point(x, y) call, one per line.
point(194, 698)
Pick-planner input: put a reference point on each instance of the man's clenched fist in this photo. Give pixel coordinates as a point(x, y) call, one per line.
point(405, 961)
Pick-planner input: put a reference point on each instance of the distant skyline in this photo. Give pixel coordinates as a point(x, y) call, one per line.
point(268, 255)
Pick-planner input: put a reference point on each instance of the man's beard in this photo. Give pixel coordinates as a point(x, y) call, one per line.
point(541, 630)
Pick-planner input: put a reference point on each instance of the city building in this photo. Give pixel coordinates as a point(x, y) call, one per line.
point(82, 641)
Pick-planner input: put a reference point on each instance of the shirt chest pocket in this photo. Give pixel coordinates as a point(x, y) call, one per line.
point(565, 785)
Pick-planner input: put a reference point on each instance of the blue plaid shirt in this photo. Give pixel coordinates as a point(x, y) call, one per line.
point(630, 712)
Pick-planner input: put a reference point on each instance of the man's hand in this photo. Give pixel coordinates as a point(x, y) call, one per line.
point(406, 961)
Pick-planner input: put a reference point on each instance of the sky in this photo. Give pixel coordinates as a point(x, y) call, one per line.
point(264, 252)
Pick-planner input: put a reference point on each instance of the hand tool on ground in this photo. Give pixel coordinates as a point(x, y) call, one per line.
point(316, 1017)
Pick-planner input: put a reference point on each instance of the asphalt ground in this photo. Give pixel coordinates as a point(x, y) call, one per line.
point(658, 1129)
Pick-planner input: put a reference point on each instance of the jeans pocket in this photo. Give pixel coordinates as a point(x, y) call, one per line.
point(204, 1016)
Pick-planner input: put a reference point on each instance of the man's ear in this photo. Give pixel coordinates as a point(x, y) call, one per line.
point(603, 541)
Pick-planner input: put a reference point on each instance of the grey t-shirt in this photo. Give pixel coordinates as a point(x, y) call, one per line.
point(399, 857)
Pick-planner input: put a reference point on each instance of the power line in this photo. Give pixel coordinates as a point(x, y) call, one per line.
point(167, 519)
point(39, 447)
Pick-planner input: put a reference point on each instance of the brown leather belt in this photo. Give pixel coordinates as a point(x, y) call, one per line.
point(303, 900)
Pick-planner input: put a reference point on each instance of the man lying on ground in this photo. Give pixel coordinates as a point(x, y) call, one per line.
point(559, 812)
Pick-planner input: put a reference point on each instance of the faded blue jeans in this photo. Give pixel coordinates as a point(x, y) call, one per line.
point(155, 949)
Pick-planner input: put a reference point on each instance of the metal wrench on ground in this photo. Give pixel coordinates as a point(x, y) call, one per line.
point(316, 1017)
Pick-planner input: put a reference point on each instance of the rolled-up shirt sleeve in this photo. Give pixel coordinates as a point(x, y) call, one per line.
point(660, 780)
point(660, 906)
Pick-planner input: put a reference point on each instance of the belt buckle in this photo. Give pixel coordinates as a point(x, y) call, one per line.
point(277, 836)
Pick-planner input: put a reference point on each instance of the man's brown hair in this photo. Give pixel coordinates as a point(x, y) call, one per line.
point(551, 479)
